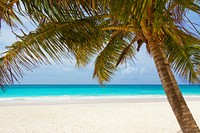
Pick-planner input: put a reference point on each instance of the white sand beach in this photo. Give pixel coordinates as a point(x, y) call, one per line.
point(91, 116)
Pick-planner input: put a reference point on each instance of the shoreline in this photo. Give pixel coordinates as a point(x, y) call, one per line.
point(63, 100)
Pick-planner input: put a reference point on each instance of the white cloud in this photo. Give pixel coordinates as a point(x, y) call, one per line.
point(67, 69)
point(128, 69)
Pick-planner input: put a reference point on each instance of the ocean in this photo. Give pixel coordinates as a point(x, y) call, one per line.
point(18, 91)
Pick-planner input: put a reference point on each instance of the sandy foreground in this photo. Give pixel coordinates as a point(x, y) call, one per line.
point(91, 116)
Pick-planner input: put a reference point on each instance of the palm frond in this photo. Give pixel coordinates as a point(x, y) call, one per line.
point(168, 16)
point(105, 63)
point(80, 39)
point(121, 10)
point(60, 10)
point(190, 5)
point(7, 13)
point(185, 59)
point(128, 51)
point(177, 14)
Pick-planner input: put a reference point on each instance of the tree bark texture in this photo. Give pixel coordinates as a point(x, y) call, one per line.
point(172, 91)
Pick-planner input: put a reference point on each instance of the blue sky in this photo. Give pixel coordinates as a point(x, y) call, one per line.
point(143, 71)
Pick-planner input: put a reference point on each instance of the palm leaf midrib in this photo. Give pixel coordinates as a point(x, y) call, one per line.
point(55, 26)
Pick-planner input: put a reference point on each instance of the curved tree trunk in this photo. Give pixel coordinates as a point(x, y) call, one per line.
point(173, 93)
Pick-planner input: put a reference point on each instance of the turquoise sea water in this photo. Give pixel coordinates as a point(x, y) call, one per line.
point(91, 90)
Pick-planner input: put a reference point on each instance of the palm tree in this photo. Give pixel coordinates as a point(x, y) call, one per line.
point(114, 30)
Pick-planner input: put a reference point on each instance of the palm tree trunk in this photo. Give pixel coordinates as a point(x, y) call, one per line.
point(173, 93)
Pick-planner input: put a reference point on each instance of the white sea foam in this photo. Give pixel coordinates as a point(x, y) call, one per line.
point(61, 98)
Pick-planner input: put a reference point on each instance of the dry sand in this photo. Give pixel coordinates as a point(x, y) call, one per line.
point(91, 116)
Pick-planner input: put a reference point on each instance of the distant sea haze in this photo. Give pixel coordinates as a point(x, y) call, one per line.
point(92, 90)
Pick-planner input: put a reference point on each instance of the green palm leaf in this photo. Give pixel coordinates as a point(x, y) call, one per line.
point(185, 59)
point(59, 10)
point(80, 39)
point(79, 9)
point(117, 50)
point(7, 12)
